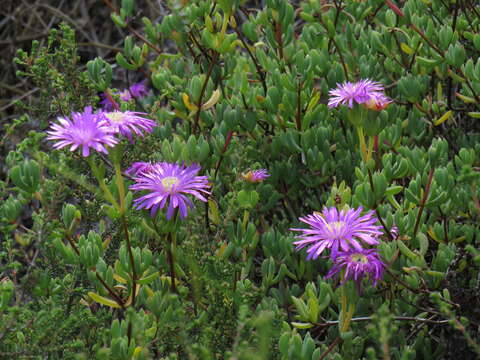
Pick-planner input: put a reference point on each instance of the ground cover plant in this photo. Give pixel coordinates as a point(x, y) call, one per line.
point(240, 180)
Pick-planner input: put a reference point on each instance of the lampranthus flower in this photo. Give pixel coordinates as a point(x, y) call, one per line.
point(357, 264)
point(138, 168)
point(362, 92)
point(128, 122)
point(377, 102)
point(256, 176)
point(137, 91)
point(167, 182)
point(85, 130)
point(336, 231)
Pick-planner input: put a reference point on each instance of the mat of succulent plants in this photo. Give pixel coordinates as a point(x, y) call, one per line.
point(232, 179)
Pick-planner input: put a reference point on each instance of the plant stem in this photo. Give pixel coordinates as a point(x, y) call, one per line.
point(132, 261)
point(246, 215)
point(112, 293)
point(101, 182)
point(202, 92)
point(396, 318)
point(225, 147)
point(337, 341)
point(260, 72)
point(379, 217)
point(423, 201)
point(111, 99)
point(363, 145)
point(132, 30)
point(347, 311)
point(171, 262)
point(121, 193)
point(298, 117)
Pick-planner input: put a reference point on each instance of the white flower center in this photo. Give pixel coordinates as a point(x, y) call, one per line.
point(169, 182)
point(116, 117)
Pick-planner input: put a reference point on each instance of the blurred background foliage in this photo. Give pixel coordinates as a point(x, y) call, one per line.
point(238, 85)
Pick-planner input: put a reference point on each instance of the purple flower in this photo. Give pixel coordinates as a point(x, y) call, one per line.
point(366, 92)
point(394, 231)
point(137, 91)
point(357, 264)
point(167, 182)
point(256, 176)
point(85, 130)
point(128, 122)
point(337, 230)
point(138, 168)
point(378, 101)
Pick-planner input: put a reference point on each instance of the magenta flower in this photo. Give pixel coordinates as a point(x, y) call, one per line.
point(138, 168)
point(137, 91)
point(128, 122)
point(85, 130)
point(363, 92)
point(337, 230)
point(167, 182)
point(378, 101)
point(358, 264)
point(256, 176)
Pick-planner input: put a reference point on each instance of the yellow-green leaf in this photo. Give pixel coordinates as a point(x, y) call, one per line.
point(106, 242)
point(433, 236)
point(119, 278)
point(188, 104)
point(406, 49)
point(299, 325)
point(137, 352)
point(103, 300)
point(149, 291)
point(466, 99)
point(313, 101)
point(148, 279)
point(212, 101)
point(436, 274)
point(455, 77)
point(130, 298)
point(214, 213)
point(405, 250)
point(475, 115)
point(444, 118)
point(427, 62)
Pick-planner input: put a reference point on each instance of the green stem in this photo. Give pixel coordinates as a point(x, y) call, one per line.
point(171, 263)
point(132, 261)
point(120, 185)
point(370, 148)
point(346, 314)
point(363, 145)
point(101, 182)
point(122, 209)
point(170, 250)
point(246, 215)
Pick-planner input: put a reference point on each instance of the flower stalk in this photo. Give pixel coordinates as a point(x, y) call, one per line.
point(116, 157)
point(347, 311)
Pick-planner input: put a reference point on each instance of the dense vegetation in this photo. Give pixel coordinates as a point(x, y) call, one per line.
point(158, 238)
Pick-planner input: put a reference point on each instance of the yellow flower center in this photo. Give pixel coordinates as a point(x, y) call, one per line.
point(115, 116)
point(359, 258)
point(248, 176)
point(169, 182)
point(336, 226)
